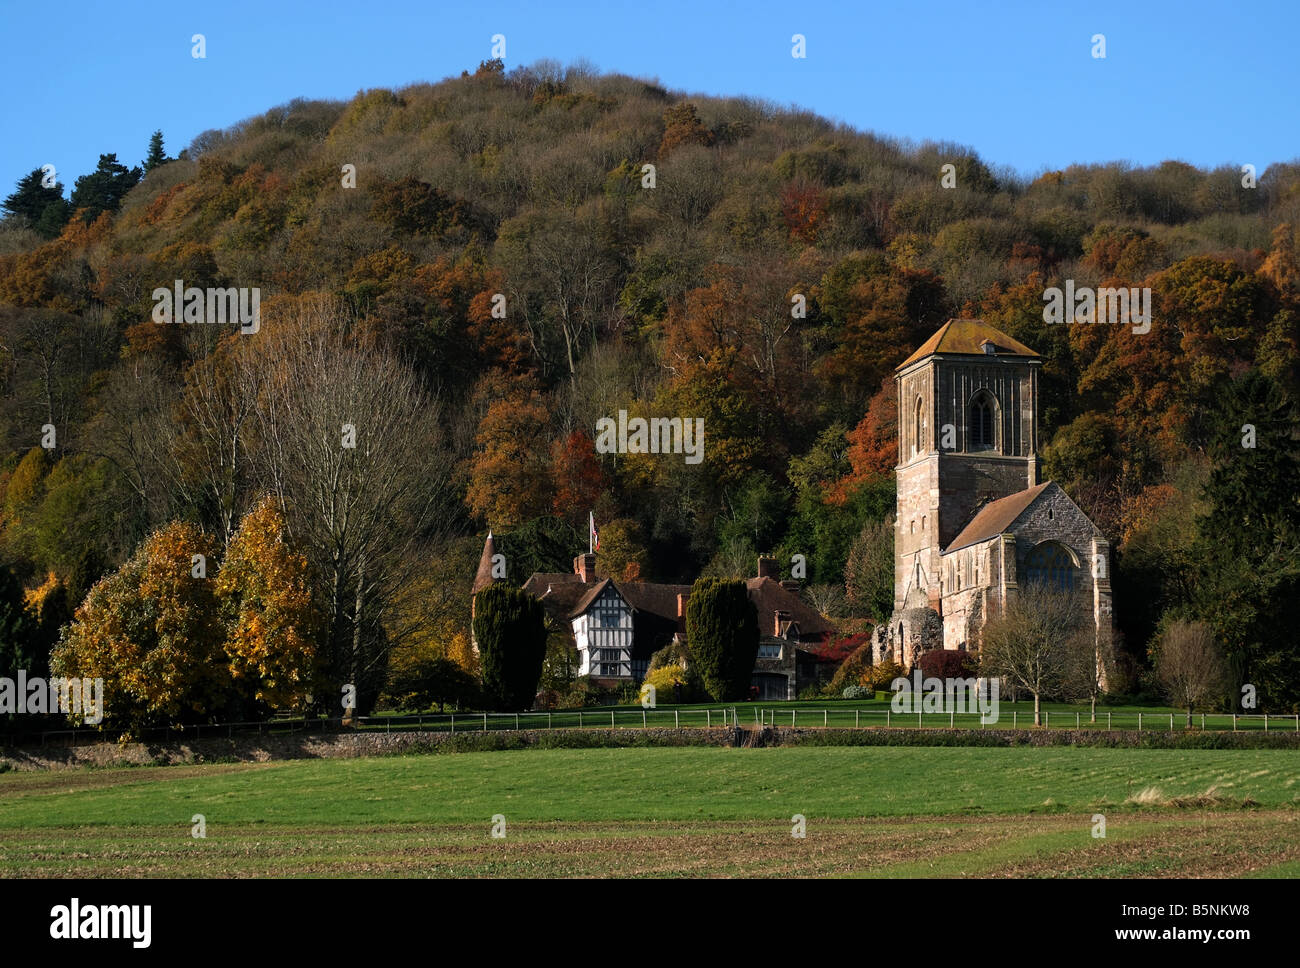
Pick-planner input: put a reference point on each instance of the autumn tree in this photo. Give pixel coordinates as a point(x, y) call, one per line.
point(510, 478)
point(265, 599)
point(151, 632)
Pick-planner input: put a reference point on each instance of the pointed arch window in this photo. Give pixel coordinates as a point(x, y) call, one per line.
point(983, 421)
point(918, 427)
point(1051, 563)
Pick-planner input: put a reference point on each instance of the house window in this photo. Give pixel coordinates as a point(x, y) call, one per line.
point(769, 650)
point(610, 655)
point(982, 421)
point(1051, 564)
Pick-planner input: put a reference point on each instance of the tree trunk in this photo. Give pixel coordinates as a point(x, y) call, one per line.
point(1094, 709)
point(1189, 717)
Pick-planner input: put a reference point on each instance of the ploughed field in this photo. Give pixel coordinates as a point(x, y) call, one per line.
point(696, 811)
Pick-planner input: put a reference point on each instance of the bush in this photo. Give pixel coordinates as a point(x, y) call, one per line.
point(947, 664)
point(852, 669)
point(859, 692)
point(880, 676)
point(669, 683)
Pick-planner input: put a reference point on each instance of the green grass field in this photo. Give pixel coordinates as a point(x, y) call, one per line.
point(880, 811)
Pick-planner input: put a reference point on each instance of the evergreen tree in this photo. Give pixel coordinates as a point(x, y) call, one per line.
point(510, 627)
point(18, 630)
point(156, 155)
point(104, 188)
point(44, 209)
point(1248, 544)
point(722, 636)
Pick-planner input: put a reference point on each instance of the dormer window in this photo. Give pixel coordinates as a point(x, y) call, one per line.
point(988, 347)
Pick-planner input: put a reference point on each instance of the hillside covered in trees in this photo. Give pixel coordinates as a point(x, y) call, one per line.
point(660, 292)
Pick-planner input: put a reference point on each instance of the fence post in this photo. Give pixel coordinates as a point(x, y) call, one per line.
point(611, 719)
point(857, 718)
point(1266, 722)
point(918, 719)
point(677, 720)
point(1234, 722)
point(453, 724)
point(579, 717)
point(826, 717)
point(485, 729)
point(516, 720)
point(1047, 719)
point(791, 717)
point(1076, 720)
point(1171, 722)
point(1202, 720)
point(708, 717)
point(643, 717)
point(888, 713)
point(1108, 722)
point(548, 721)
point(1139, 722)
point(1015, 719)
point(952, 718)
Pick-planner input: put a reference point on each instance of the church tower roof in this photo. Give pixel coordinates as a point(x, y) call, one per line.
point(483, 577)
point(968, 336)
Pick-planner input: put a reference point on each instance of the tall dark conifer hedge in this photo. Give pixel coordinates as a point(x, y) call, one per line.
point(722, 636)
point(510, 627)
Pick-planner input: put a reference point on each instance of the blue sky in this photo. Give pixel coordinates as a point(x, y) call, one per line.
point(1207, 83)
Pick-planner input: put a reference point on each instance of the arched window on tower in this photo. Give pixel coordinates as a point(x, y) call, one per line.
point(983, 422)
point(918, 427)
point(1051, 564)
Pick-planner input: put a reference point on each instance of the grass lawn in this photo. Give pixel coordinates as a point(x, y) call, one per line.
point(875, 811)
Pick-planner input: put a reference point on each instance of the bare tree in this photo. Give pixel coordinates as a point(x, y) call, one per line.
point(350, 445)
point(830, 600)
point(1036, 642)
point(1190, 665)
point(214, 452)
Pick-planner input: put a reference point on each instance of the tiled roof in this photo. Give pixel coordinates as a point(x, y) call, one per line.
point(569, 596)
point(967, 336)
point(769, 597)
point(996, 517)
point(483, 577)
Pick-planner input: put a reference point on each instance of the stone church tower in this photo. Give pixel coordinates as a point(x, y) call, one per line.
point(972, 518)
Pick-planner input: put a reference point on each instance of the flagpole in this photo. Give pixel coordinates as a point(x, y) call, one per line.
point(591, 521)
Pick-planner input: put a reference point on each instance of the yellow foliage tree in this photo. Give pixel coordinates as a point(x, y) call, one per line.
point(264, 596)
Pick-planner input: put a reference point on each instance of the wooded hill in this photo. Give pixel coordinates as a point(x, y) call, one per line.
point(671, 300)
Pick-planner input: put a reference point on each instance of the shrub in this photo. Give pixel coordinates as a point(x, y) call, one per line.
point(669, 683)
point(880, 676)
point(852, 669)
point(859, 692)
point(947, 664)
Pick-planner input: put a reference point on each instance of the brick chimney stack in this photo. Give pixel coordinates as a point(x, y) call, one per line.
point(584, 566)
point(768, 568)
point(780, 618)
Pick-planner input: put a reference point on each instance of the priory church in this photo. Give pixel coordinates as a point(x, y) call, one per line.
point(973, 522)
